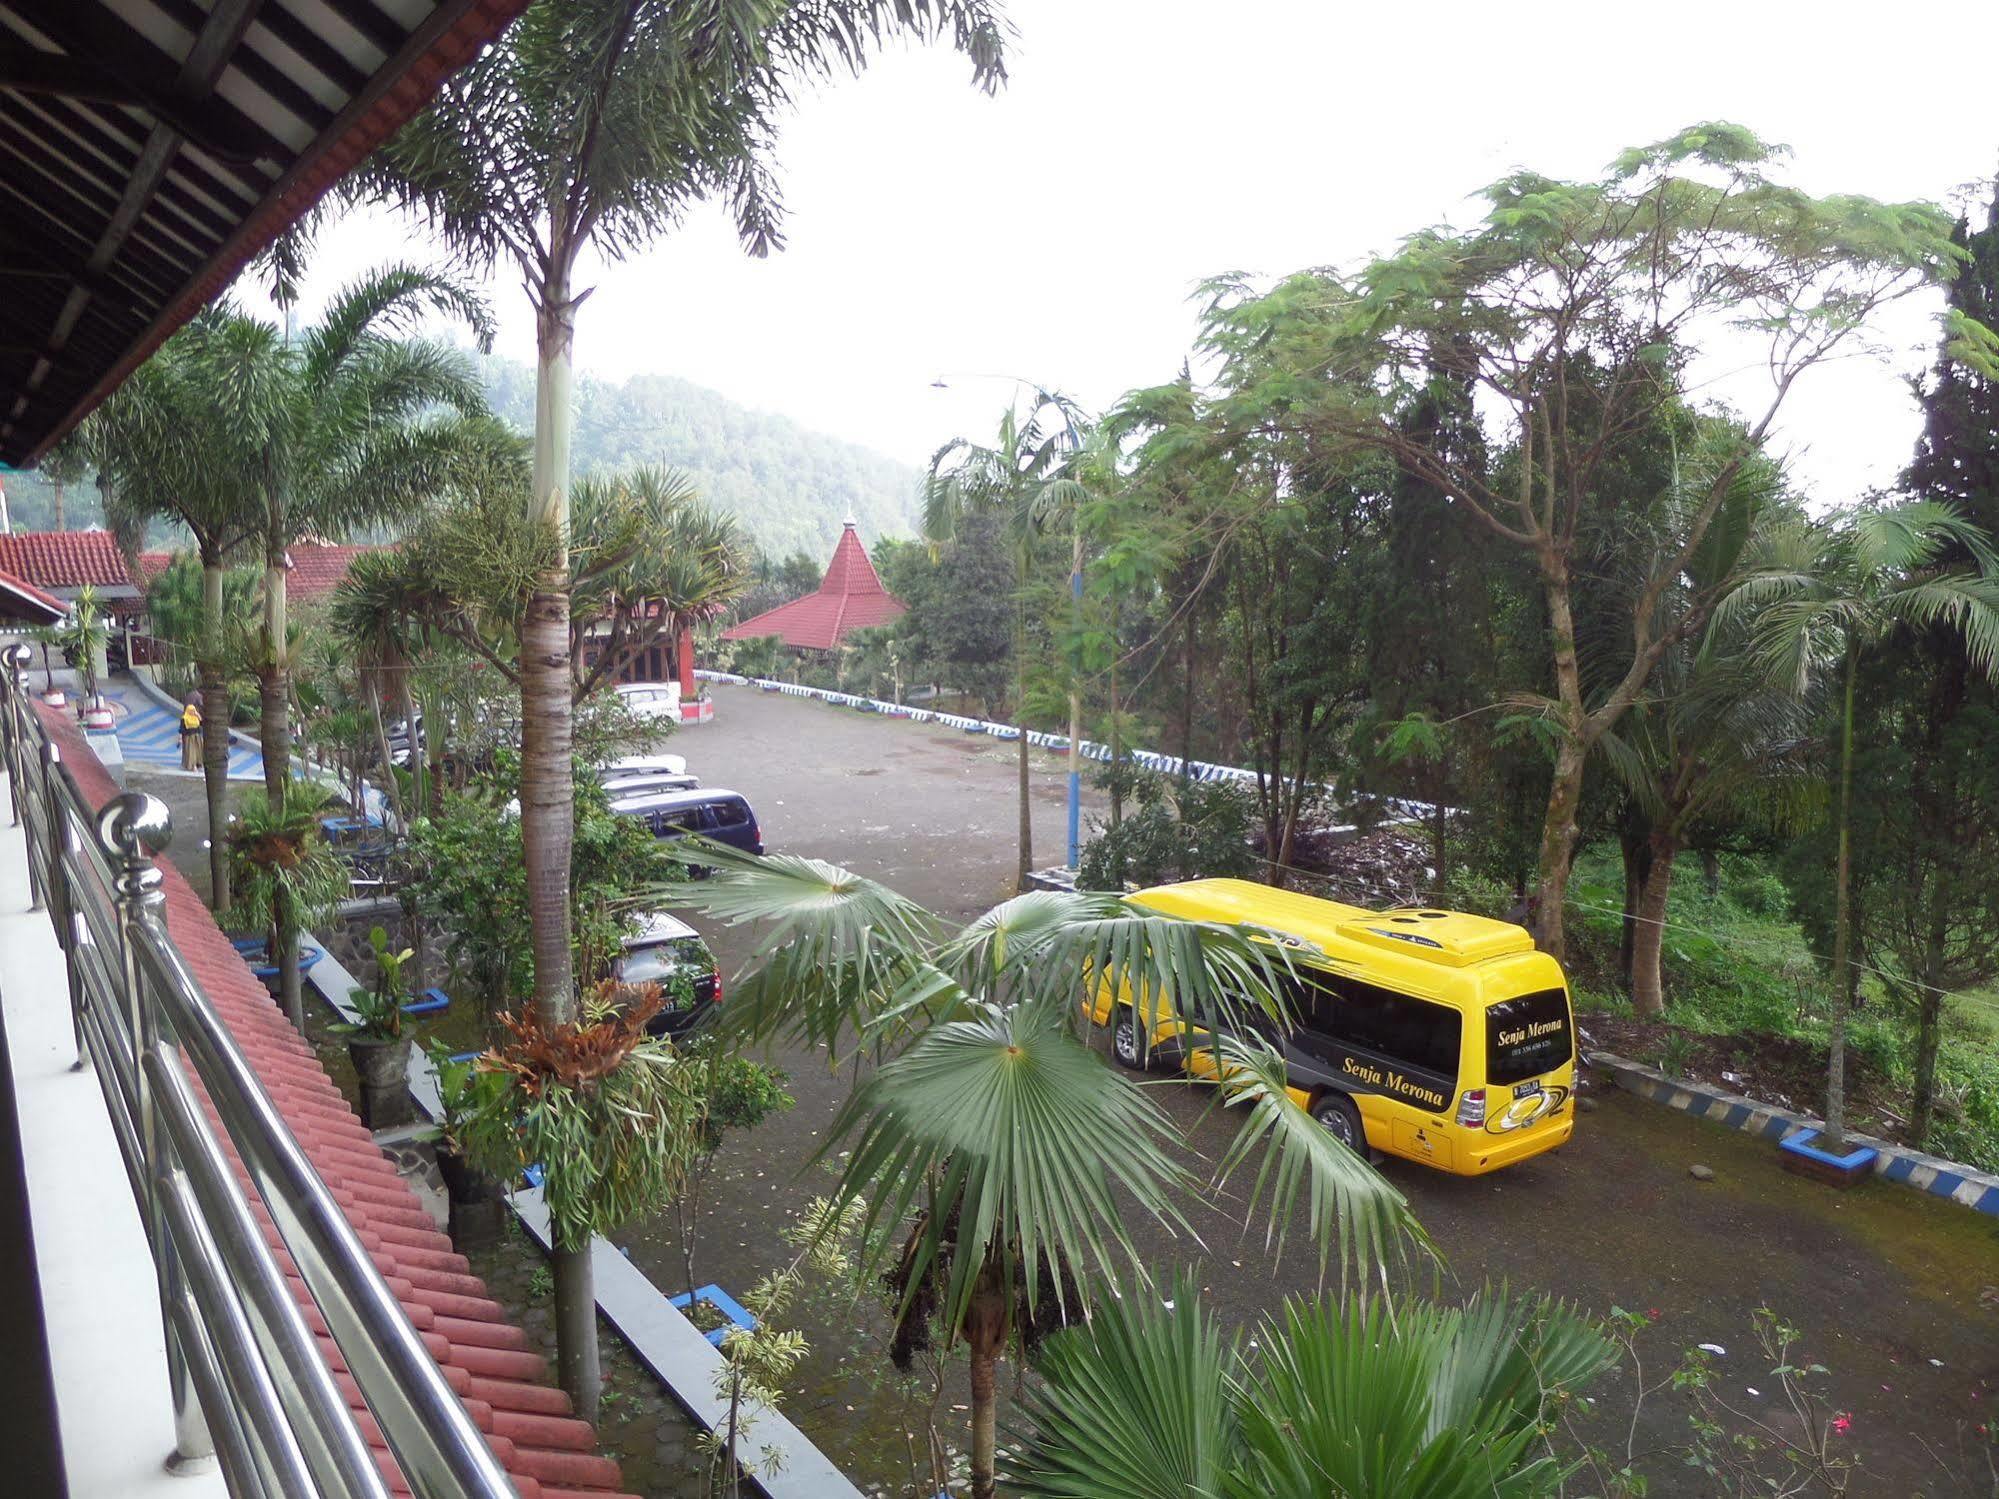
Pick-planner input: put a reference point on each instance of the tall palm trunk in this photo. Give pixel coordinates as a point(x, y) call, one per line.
point(215, 716)
point(276, 733)
point(548, 809)
point(1648, 991)
point(1842, 919)
point(1929, 1019)
point(1020, 715)
point(985, 1336)
point(1072, 847)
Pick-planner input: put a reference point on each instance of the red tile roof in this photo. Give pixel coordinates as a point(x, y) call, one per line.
point(850, 597)
point(318, 567)
point(20, 599)
point(64, 559)
point(485, 1359)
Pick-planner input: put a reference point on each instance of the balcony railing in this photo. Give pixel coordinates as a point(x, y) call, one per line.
point(248, 1382)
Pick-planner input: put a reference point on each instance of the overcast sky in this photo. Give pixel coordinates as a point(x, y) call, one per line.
point(1056, 231)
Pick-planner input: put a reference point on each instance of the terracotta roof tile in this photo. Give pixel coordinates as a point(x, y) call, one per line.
point(850, 597)
point(504, 1386)
point(65, 559)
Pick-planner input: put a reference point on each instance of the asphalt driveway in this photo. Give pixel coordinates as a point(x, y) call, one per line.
point(1894, 1292)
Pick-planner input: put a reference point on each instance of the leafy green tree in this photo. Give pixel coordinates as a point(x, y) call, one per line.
point(1183, 829)
point(1347, 1395)
point(1000, 1161)
point(339, 429)
point(1566, 313)
point(157, 444)
point(1022, 480)
point(960, 625)
point(1818, 600)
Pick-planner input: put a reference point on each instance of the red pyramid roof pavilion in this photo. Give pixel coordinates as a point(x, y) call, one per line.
point(850, 597)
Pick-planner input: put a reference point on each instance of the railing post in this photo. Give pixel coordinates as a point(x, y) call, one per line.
point(131, 828)
point(14, 666)
point(62, 905)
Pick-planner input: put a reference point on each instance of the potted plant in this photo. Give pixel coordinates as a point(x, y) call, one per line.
point(476, 1196)
point(379, 1037)
point(84, 635)
point(610, 1115)
point(49, 637)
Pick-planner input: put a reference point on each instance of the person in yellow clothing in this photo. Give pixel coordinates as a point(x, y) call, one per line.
point(190, 733)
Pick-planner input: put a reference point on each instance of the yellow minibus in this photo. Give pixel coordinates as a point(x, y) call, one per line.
point(1436, 1036)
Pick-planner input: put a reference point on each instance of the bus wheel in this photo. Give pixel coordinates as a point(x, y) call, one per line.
point(1342, 1120)
point(1126, 1043)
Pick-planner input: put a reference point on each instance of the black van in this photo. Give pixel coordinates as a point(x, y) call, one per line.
point(723, 816)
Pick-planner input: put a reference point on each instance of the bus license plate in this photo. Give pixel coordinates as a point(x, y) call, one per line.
point(1528, 1090)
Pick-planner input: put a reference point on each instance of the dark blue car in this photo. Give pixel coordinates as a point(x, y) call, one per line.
point(722, 816)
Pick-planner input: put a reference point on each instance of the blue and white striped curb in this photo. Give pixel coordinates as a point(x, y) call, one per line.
point(1962, 1184)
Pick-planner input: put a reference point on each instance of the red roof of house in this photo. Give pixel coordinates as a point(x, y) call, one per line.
point(486, 1359)
point(850, 597)
point(317, 568)
point(20, 599)
point(64, 559)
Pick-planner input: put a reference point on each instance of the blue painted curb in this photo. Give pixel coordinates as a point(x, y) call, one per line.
point(724, 1303)
point(1965, 1185)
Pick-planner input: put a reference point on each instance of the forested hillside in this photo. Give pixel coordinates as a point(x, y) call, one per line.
point(790, 488)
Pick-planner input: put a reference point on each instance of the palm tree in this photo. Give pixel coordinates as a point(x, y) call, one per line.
point(1332, 1396)
point(158, 443)
point(997, 1159)
point(1717, 743)
point(601, 123)
point(336, 430)
point(1818, 599)
point(1021, 479)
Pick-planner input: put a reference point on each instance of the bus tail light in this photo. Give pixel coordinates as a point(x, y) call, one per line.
point(1471, 1108)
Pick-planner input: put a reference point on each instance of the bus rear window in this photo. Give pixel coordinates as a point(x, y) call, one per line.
point(1527, 1037)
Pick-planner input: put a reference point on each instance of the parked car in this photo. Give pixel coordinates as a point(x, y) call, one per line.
point(635, 774)
point(710, 812)
point(651, 699)
point(668, 952)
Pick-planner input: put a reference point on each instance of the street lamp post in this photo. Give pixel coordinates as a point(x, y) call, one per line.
point(1075, 439)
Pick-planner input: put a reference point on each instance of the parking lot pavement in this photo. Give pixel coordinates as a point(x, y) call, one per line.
point(1886, 1284)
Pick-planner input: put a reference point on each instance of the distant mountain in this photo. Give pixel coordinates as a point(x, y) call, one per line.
point(789, 487)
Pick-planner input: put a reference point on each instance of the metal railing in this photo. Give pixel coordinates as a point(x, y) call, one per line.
point(248, 1382)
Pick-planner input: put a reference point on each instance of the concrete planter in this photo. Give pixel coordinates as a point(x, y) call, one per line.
point(1801, 1155)
point(99, 716)
point(56, 698)
point(478, 1203)
point(383, 1068)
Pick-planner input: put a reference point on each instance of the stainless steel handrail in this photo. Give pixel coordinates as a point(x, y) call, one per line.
point(248, 1381)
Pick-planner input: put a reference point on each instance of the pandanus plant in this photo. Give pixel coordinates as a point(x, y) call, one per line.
point(282, 868)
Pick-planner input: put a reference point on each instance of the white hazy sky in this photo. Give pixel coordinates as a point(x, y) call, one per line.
point(1056, 231)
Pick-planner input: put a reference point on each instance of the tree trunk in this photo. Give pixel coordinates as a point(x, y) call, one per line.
point(1565, 792)
point(1558, 845)
point(275, 678)
point(1187, 694)
point(62, 522)
point(576, 1329)
point(1020, 716)
point(985, 1335)
point(1711, 872)
point(1929, 1017)
point(1648, 991)
point(215, 716)
point(548, 810)
point(1636, 849)
point(390, 790)
point(1073, 809)
point(1842, 921)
